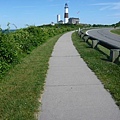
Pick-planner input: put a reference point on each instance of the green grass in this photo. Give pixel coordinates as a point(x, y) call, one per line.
point(22, 87)
point(116, 31)
point(97, 60)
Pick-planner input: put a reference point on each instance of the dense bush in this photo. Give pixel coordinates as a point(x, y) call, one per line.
point(14, 45)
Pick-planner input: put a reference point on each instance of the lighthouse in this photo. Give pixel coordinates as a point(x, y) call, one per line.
point(66, 13)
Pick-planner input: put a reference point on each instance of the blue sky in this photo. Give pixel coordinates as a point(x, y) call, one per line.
point(39, 12)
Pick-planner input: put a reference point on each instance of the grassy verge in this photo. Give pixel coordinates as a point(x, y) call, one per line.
point(116, 31)
point(21, 88)
point(97, 60)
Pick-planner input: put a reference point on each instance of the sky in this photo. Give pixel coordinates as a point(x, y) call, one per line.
point(21, 13)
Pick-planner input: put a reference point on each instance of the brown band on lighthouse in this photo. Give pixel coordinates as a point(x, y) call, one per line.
point(66, 15)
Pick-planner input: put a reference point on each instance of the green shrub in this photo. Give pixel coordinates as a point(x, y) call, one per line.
point(14, 45)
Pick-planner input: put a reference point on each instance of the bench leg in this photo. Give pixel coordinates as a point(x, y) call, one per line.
point(94, 43)
point(114, 55)
point(86, 38)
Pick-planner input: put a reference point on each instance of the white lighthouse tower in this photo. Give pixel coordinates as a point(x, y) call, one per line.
point(66, 13)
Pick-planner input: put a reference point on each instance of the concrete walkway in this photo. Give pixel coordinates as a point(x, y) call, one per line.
point(72, 91)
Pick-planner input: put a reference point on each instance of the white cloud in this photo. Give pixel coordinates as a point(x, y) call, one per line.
point(104, 8)
point(109, 5)
point(117, 15)
point(116, 6)
point(24, 6)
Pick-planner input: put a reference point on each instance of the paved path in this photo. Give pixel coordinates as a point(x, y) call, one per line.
point(72, 91)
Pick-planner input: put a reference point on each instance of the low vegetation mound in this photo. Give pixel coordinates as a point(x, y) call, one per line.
point(15, 45)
